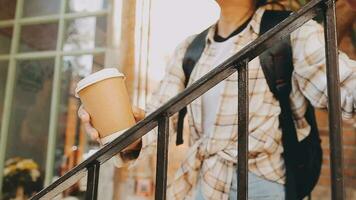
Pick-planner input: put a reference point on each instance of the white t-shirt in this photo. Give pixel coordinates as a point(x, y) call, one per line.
point(211, 98)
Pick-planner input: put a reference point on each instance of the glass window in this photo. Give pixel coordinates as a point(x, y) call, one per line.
point(39, 37)
point(29, 123)
point(85, 33)
point(3, 75)
point(87, 6)
point(34, 8)
point(7, 9)
point(5, 40)
point(30, 111)
point(72, 142)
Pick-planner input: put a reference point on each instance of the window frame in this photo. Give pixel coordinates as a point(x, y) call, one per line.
point(14, 55)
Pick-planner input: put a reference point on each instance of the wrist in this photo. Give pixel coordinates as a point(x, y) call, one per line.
point(131, 153)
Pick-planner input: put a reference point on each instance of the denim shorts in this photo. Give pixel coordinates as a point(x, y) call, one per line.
point(258, 189)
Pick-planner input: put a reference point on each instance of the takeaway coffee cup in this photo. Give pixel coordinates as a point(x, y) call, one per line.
point(105, 98)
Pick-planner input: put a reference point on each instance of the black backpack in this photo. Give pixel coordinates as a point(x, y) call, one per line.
point(302, 159)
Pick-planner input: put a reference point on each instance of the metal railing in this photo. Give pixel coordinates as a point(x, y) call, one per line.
point(237, 62)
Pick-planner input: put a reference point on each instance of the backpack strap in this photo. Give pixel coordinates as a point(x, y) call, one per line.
point(276, 62)
point(191, 57)
point(277, 65)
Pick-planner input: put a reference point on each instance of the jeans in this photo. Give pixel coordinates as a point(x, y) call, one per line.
point(258, 189)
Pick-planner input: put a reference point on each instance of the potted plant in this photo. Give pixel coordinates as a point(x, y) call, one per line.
point(22, 179)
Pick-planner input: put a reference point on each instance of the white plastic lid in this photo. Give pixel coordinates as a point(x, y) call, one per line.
point(96, 77)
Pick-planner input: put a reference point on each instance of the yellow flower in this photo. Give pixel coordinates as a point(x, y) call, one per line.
point(13, 161)
point(10, 169)
point(17, 164)
point(27, 164)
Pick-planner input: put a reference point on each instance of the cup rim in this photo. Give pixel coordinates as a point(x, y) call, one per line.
point(96, 77)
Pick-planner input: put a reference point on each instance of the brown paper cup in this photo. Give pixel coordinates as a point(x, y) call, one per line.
point(105, 98)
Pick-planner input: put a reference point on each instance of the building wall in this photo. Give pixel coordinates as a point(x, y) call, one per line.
point(323, 189)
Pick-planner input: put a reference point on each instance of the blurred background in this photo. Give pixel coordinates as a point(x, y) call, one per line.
point(47, 46)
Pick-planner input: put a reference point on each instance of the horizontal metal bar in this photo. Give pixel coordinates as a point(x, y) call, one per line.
point(4, 57)
point(52, 54)
point(7, 23)
point(39, 20)
point(333, 83)
point(83, 52)
point(243, 118)
point(53, 18)
point(162, 158)
point(92, 181)
point(35, 55)
point(195, 90)
point(99, 13)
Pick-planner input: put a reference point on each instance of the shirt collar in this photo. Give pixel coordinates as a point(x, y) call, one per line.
point(254, 25)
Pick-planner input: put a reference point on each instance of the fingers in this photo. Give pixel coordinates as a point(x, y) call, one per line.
point(91, 131)
point(83, 114)
point(139, 113)
point(88, 128)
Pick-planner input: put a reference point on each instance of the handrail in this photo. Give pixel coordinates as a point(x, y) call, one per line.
point(231, 65)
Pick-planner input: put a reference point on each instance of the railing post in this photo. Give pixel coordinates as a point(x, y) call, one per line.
point(162, 158)
point(335, 128)
point(92, 181)
point(243, 114)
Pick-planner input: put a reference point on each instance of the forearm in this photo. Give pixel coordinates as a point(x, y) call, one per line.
point(310, 69)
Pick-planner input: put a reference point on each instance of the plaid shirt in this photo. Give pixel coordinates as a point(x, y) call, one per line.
point(212, 157)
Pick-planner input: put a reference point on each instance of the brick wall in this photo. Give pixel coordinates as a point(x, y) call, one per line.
point(323, 191)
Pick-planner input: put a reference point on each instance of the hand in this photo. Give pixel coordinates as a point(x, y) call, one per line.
point(88, 128)
point(84, 116)
point(139, 114)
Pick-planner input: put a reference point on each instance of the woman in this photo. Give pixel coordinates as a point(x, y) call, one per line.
point(209, 170)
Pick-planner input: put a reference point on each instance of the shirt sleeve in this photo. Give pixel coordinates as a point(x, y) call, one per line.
point(310, 69)
point(171, 85)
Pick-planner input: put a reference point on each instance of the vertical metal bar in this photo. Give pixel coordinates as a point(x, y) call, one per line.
point(335, 128)
point(92, 181)
point(243, 114)
point(9, 91)
point(53, 120)
point(162, 158)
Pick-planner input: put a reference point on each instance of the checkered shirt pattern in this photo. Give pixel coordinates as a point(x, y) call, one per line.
point(212, 157)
